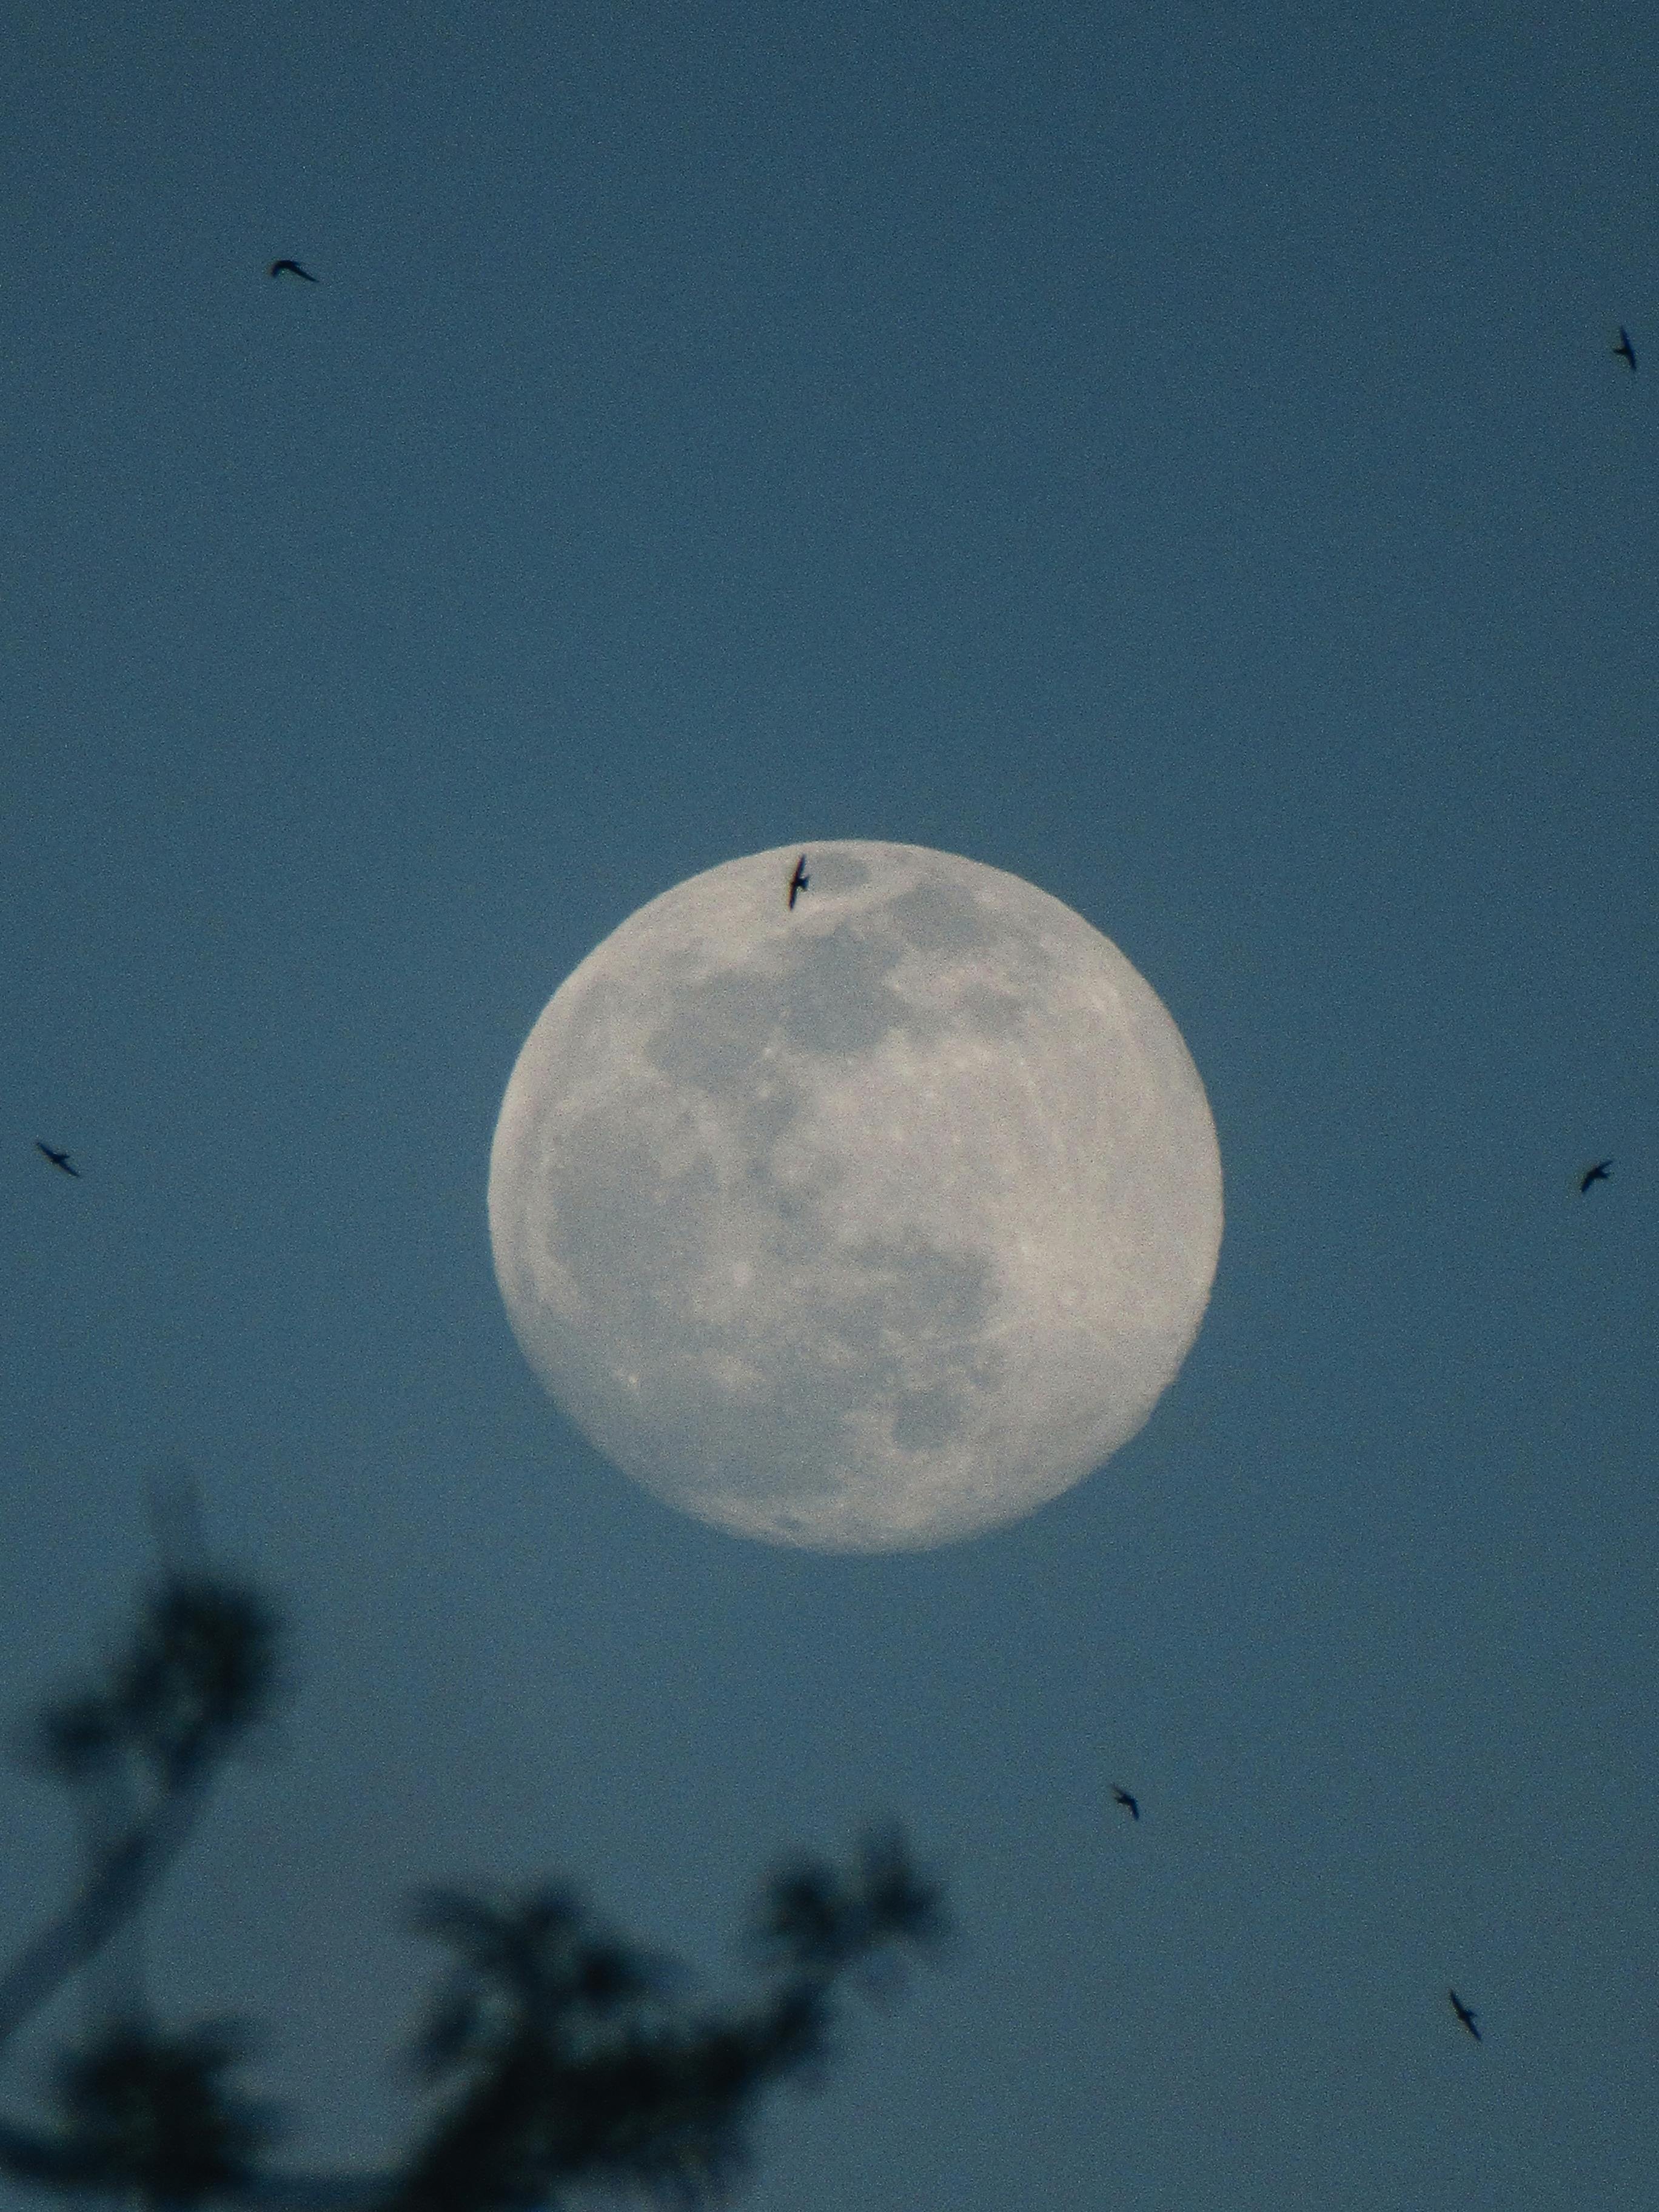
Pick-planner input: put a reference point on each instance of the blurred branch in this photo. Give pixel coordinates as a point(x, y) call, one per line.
point(115, 1891)
point(198, 1673)
point(558, 2053)
point(572, 2067)
point(816, 1922)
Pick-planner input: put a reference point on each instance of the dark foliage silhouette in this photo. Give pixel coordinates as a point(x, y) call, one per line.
point(554, 2052)
point(150, 2114)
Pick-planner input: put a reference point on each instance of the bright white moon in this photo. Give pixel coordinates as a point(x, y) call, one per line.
point(864, 1226)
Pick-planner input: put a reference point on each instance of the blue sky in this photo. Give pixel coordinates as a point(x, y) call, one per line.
point(1173, 455)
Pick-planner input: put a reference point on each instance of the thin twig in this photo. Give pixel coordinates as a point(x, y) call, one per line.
point(111, 1896)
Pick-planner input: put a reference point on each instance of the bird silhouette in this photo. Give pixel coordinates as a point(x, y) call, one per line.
point(799, 881)
point(58, 1159)
point(294, 268)
point(1600, 1173)
point(1123, 1798)
point(1464, 2013)
point(1625, 351)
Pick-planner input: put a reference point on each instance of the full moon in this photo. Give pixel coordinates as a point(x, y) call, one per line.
point(862, 1219)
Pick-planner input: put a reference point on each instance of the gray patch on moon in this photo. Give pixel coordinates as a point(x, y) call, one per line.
point(923, 1418)
point(837, 999)
point(996, 1013)
point(717, 1042)
point(837, 868)
point(829, 994)
point(590, 1015)
point(937, 917)
point(621, 1226)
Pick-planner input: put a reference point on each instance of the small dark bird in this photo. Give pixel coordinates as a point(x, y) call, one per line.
point(1122, 1797)
point(1599, 1173)
point(293, 270)
point(799, 881)
point(1625, 351)
point(1464, 2013)
point(58, 1159)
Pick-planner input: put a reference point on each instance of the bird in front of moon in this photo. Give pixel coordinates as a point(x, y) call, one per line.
point(865, 1226)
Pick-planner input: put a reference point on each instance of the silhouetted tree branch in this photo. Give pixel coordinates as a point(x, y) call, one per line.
point(555, 2053)
point(196, 1675)
point(571, 2065)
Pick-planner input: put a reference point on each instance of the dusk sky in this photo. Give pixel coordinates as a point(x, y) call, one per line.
point(1174, 455)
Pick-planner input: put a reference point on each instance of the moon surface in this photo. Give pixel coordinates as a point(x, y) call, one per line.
point(864, 1225)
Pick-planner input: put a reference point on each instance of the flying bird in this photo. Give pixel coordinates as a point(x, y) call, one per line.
point(1599, 1173)
point(1122, 1797)
point(1625, 351)
point(799, 881)
point(58, 1159)
point(277, 267)
point(1464, 2013)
